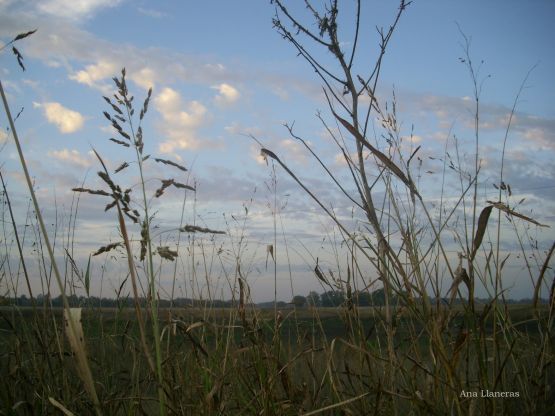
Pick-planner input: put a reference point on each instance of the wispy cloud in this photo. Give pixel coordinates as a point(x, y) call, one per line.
point(294, 150)
point(66, 120)
point(73, 157)
point(88, 58)
point(542, 137)
point(5, 3)
point(152, 13)
point(493, 117)
point(75, 9)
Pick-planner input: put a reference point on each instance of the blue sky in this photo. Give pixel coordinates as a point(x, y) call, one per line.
point(220, 72)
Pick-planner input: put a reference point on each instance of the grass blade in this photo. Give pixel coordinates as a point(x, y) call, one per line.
point(482, 225)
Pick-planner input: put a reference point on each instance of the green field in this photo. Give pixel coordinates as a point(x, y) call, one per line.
point(216, 363)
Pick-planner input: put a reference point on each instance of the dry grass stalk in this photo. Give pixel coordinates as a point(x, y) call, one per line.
point(76, 338)
point(60, 406)
point(83, 360)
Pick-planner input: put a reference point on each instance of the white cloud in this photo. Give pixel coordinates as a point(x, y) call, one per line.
point(66, 120)
point(70, 156)
point(100, 74)
point(92, 75)
point(168, 103)
point(179, 126)
point(254, 151)
point(75, 9)
point(3, 136)
point(226, 94)
point(145, 78)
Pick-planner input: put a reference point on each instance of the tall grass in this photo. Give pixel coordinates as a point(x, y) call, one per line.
point(405, 243)
point(430, 348)
point(73, 326)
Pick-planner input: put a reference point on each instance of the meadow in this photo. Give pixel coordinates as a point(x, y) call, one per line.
point(429, 347)
point(218, 364)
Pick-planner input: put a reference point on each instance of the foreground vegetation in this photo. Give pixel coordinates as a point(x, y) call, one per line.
point(217, 362)
point(421, 350)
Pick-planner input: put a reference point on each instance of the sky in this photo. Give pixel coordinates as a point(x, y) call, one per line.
point(221, 73)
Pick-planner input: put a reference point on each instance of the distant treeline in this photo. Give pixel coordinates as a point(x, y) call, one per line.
point(332, 298)
point(123, 302)
point(376, 298)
